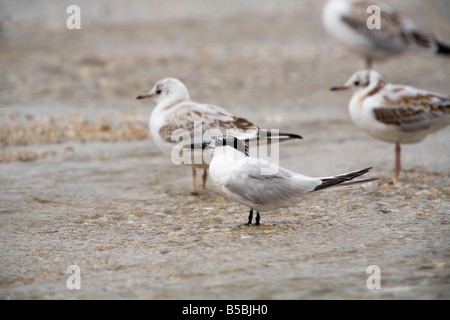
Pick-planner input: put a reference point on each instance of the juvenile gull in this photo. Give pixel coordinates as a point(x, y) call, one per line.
point(347, 21)
point(395, 113)
point(175, 110)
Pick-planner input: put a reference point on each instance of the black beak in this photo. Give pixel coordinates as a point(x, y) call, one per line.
point(144, 96)
point(339, 88)
point(201, 145)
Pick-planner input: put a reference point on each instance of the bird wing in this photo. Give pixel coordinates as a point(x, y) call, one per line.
point(195, 117)
point(264, 186)
point(411, 109)
point(259, 183)
point(393, 33)
point(344, 180)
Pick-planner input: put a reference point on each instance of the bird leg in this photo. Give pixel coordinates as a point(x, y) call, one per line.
point(369, 63)
point(250, 218)
point(205, 176)
point(398, 163)
point(194, 178)
point(257, 218)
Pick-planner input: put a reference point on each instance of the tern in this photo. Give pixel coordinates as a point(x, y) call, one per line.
point(260, 184)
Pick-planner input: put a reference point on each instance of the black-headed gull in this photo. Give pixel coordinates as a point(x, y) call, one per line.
point(354, 24)
point(395, 113)
point(177, 117)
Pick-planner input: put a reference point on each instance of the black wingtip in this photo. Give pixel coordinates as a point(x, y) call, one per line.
point(282, 136)
point(291, 135)
point(442, 48)
point(329, 182)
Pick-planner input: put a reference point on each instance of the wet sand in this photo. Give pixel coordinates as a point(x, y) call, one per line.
point(82, 182)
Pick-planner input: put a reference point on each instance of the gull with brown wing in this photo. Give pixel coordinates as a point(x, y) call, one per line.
point(177, 115)
point(395, 113)
point(347, 21)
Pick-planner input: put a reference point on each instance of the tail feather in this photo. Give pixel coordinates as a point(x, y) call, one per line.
point(422, 41)
point(344, 180)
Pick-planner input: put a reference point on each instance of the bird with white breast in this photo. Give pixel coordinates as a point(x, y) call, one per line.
point(395, 113)
point(260, 184)
point(176, 114)
point(354, 24)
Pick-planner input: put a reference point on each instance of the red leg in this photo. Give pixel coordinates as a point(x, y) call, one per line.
point(398, 161)
point(205, 176)
point(194, 179)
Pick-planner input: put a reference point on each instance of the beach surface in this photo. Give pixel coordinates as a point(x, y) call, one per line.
point(83, 184)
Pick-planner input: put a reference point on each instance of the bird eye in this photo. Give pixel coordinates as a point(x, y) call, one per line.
point(357, 83)
point(158, 91)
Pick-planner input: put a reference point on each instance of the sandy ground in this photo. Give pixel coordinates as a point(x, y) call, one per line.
point(82, 183)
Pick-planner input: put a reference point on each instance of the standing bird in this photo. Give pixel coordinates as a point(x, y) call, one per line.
point(395, 113)
point(351, 23)
point(260, 184)
point(176, 115)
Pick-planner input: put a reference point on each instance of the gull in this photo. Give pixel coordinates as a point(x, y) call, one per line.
point(349, 21)
point(395, 113)
point(260, 184)
point(176, 114)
